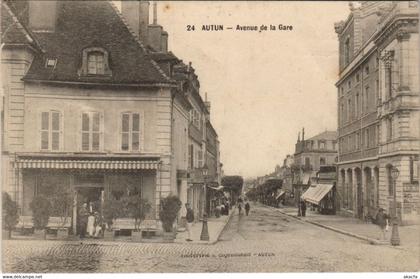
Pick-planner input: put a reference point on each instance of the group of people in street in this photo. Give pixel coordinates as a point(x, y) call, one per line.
point(242, 204)
point(90, 222)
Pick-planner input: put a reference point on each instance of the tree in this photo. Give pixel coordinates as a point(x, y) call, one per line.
point(137, 208)
point(41, 211)
point(9, 213)
point(233, 182)
point(169, 208)
point(112, 209)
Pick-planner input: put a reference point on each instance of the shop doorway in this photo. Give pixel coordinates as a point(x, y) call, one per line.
point(93, 197)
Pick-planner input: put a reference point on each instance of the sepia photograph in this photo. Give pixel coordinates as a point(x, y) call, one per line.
point(146, 137)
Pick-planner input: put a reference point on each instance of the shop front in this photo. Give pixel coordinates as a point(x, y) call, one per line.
point(88, 182)
point(322, 197)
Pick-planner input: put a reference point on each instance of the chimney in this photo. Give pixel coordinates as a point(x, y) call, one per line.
point(158, 38)
point(298, 137)
point(136, 13)
point(207, 103)
point(303, 134)
point(42, 15)
point(164, 47)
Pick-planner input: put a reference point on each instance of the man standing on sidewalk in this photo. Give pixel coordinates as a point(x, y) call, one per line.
point(382, 221)
point(190, 220)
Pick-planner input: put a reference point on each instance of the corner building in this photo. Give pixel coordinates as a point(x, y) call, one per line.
point(378, 109)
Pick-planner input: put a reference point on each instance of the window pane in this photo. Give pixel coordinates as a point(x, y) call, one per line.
point(55, 141)
point(135, 141)
point(44, 140)
point(85, 141)
point(85, 122)
point(95, 141)
point(124, 141)
point(136, 122)
point(55, 119)
point(45, 118)
point(92, 67)
point(125, 122)
point(95, 122)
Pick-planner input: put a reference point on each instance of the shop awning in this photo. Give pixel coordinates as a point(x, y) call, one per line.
point(87, 164)
point(280, 194)
point(316, 193)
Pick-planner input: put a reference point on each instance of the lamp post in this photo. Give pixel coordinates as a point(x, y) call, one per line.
point(204, 230)
point(395, 238)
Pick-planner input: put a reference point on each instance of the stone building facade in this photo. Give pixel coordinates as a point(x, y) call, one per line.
point(378, 108)
point(310, 154)
point(91, 104)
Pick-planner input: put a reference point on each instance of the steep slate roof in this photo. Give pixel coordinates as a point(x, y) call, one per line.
point(82, 24)
point(327, 135)
point(12, 31)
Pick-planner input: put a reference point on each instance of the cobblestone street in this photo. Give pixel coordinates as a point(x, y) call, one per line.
point(265, 241)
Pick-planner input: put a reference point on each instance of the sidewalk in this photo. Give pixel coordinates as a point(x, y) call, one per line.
point(409, 235)
point(215, 228)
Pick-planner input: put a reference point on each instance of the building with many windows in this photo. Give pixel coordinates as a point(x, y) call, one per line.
point(378, 108)
point(91, 105)
point(310, 154)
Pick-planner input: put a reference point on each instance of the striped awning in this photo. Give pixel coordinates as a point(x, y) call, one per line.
point(87, 164)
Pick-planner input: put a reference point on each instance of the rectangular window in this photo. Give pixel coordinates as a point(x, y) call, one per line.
point(50, 130)
point(366, 101)
point(389, 129)
point(91, 131)
point(96, 63)
point(199, 158)
point(130, 131)
point(307, 162)
point(356, 105)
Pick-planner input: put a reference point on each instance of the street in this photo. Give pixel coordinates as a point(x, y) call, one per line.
point(264, 241)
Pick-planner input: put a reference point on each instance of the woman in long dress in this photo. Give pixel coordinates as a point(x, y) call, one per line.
point(91, 225)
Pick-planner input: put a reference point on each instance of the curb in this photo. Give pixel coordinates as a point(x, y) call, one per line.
point(218, 233)
point(361, 237)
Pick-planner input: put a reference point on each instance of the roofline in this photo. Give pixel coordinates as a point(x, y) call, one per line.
point(165, 85)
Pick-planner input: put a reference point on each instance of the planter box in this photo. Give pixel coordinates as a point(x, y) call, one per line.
point(168, 237)
point(62, 233)
point(136, 236)
point(6, 234)
point(108, 235)
point(40, 234)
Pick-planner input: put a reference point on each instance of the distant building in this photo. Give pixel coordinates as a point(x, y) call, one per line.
point(310, 154)
point(378, 108)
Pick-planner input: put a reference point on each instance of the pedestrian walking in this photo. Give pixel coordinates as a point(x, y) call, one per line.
point(83, 220)
point(382, 220)
point(190, 220)
point(247, 208)
point(303, 208)
point(240, 208)
point(227, 207)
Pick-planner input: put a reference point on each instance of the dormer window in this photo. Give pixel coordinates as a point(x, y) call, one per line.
point(95, 62)
point(50, 62)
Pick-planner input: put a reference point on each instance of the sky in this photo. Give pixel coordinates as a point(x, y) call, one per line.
point(263, 86)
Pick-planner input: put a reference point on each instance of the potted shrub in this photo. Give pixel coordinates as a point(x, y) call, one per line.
point(9, 215)
point(137, 208)
point(111, 210)
point(41, 211)
point(169, 208)
point(61, 203)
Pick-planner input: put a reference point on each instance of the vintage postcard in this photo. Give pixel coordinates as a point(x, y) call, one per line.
point(210, 137)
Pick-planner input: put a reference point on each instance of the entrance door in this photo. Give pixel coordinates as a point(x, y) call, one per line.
point(93, 199)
